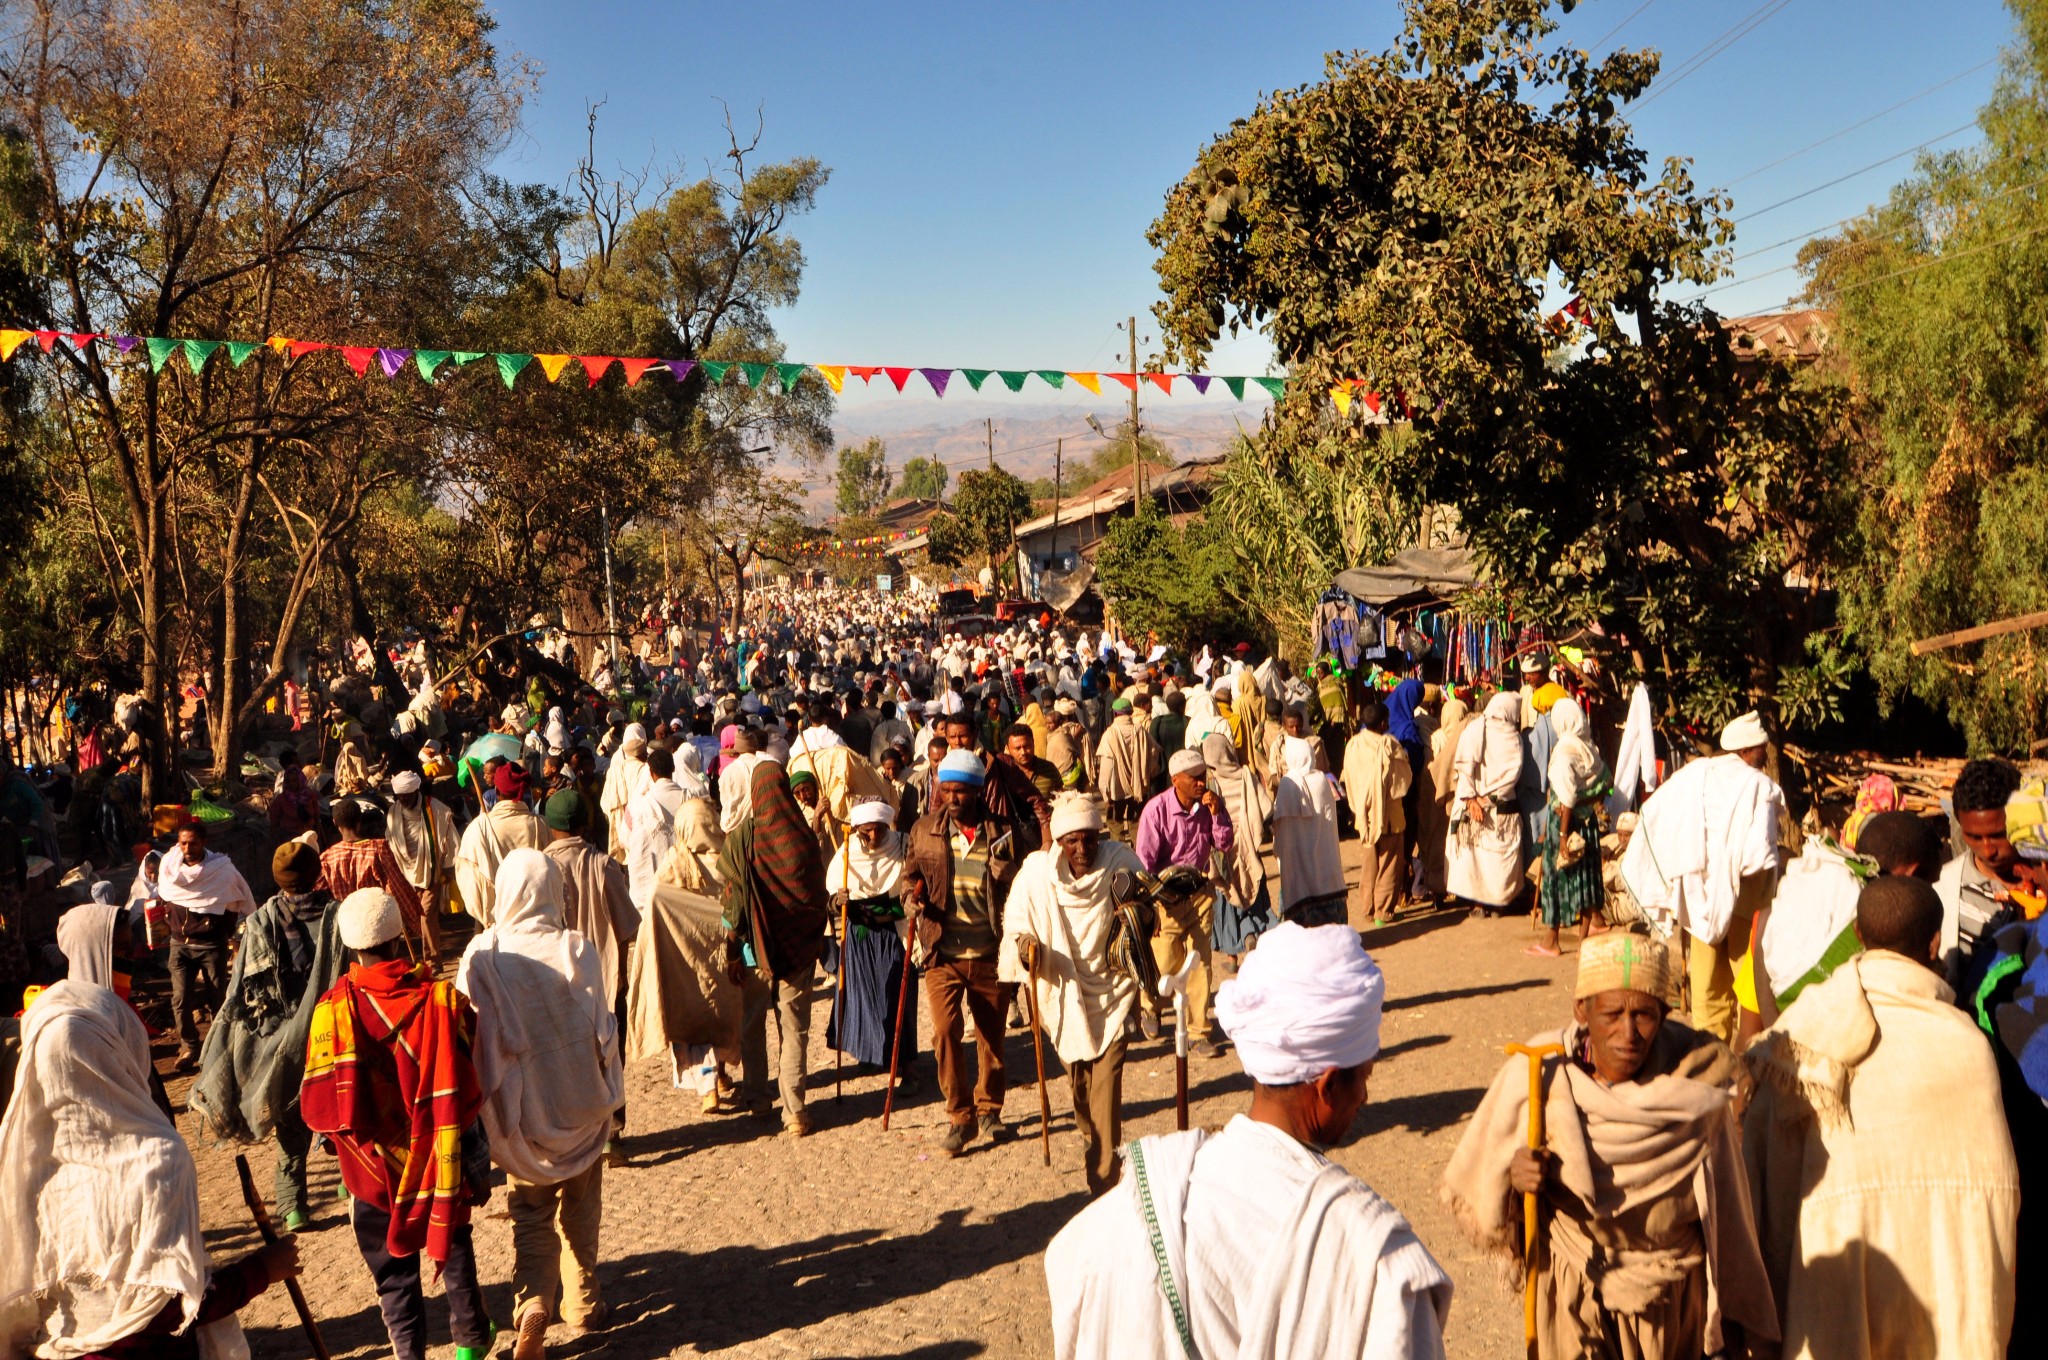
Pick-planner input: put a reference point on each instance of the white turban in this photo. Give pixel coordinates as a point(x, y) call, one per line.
point(1745, 732)
point(634, 739)
point(1073, 812)
point(405, 781)
point(874, 812)
point(369, 917)
point(1305, 1001)
point(1187, 762)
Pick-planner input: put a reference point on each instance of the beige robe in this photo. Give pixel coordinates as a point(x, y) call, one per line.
point(425, 856)
point(1887, 1194)
point(1125, 760)
point(509, 825)
point(1649, 1245)
point(1376, 779)
point(1083, 999)
point(597, 904)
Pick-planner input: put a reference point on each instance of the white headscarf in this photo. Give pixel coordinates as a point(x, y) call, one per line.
point(547, 1045)
point(558, 731)
point(1576, 769)
point(689, 774)
point(85, 937)
point(1304, 790)
point(1488, 761)
point(99, 1199)
point(1202, 717)
point(1305, 1001)
point(860, 872)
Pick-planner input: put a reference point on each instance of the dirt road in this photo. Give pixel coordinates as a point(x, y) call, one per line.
point(723, 1238)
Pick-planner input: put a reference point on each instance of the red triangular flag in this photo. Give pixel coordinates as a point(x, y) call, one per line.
point(866, 374)
point(47, 339)
point(1129, 380)
point(301, 348)
point(1162, 381)
point(635, 368)
point(595, 365)
point(359, 357)
point(899, 376)
point(1372, 402)
point(80, 339)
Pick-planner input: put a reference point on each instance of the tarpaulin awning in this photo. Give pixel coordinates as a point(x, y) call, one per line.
point(1413, 577)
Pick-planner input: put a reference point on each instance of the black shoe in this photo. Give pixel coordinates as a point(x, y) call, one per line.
point(956, 1139)
point(1205, 1049)
point(992, 1127)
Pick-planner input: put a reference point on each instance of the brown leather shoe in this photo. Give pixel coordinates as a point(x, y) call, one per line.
point(956, 1140)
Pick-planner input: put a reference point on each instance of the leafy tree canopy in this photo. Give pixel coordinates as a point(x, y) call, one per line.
point(922, 479)
point(864, 477)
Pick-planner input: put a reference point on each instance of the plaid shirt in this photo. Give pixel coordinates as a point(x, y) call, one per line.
point(369, 863)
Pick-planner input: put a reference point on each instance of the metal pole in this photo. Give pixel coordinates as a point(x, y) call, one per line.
point(1137, 450)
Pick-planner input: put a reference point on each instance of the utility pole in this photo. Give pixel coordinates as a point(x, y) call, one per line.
point(1137, 449)
point(1059, 451)
point(611, 611)
point(989, 426)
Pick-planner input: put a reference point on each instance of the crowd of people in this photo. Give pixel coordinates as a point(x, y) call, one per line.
point(499, 886)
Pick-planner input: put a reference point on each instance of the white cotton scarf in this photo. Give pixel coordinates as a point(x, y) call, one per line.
point(1575, 768)
point(862, 873)
point(101, 1221)
point(547, 1045)
point(1489, 756)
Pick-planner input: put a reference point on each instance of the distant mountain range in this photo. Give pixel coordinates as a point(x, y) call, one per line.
point(1027, 434)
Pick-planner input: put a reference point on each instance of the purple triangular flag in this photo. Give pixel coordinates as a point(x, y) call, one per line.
point(680, 368)
point(391, 360)
point(124, 343)
point(1201, 382)
point(938, 378)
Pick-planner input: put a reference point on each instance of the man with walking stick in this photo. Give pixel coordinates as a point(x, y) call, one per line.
point(1062, 917)
point(1250, 1242)
point(1645, 1243)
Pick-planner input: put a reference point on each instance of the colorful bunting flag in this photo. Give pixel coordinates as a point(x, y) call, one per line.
point(595, 365)
point(865, 374)
point(160, 350)
point(937, 377)
point(197, 352)
point(679, 369)
point(899, 376)
point(124, 343)
point(752, 374)
point(1236, 386)
point(358, 356)
point(427, 360)
point(714, 371)
point(1162, 381)
point(975, 377)
point(47, 340)
point(1342, 396)
point(240, 350)
point(1128, 380)
point(510, 364)
point(834, 374)
point(1052, 376)
point(300, 348)
point(1200, 380)
point(391, 360)
point(1013, 380)
point(552, 364)
point(636, 369)
point(1274, 386)
point(11, 341)
point(1091, 381)
point(788, 375)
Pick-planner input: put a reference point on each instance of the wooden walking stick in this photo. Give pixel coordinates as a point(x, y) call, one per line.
point(269, 1234)
point(1175, 985)
point(896, 1036)
point(1038, 1052)
point(1535, 1053)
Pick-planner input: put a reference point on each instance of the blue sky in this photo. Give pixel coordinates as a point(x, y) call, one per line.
point(994, 167)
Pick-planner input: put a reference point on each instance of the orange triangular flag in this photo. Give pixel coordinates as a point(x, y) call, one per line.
point(834, 374)
point(899, 376)
point(864, 374)
point(279, 343)
point(1372, 402)
point(595, 365)
point(552, 364)
point(11, 341)
point(1162, 381)
point(300, 348)
point(1129, 380)
point(1091, 381)
point(635, 369)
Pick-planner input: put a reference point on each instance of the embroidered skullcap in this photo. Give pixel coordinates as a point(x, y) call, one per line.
point(1617, 961)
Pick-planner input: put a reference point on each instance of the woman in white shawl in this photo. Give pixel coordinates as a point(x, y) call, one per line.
point(99, 1198)
point(689, 775)
point(547, 1058)
point(1483, 849)
point(1305, 839)
point(626, 780)
point(864, 879)
point(1203, 719)
point(1571, 892)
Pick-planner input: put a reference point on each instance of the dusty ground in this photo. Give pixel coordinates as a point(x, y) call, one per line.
point(723, 1238)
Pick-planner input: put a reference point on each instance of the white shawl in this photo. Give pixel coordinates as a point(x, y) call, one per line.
point(1489, 758)
point(99, 1199)
point(208, 888)
point(547, 1045)
point(862, 873)
point(1575, 768)
point(1712, 824)
point(1083, 999)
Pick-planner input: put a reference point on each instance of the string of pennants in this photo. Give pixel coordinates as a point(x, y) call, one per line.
point(390, 361)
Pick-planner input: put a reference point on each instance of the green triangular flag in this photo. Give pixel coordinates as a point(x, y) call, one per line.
point(160, 352)
point(510, 364)
point(752, 374)
point(716, 370)
point(1053, 376)
point(974, 377)
point(788, 374)
point(197, 352)
point(428, 360)
point(1236, 386)
point(240, 350)
point(1012, 380)
point(464, 356)
point(1274, 386)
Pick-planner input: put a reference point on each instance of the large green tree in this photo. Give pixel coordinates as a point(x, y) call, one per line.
point(1168, 580)
point(1402, 222)
point(862, 482)
point(923, 479)
point(1941, 320)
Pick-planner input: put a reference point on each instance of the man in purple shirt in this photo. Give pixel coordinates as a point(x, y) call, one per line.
point(1185, 825)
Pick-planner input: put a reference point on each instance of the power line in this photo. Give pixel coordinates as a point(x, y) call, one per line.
point(1864, 122)
point(1861, 170)
point(1741, 29)
point(1949, 258)
point(1843, 221)
point(1602, 42)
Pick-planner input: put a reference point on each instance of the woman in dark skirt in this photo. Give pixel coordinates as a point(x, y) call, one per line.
point(864, 880)
point(1572, 892)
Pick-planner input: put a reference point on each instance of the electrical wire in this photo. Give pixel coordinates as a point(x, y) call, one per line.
point(1860, 170)
point(1843, 221)
point(1741, 29)
point(1632, 15)
point(1863, 122)
point(1949, 258)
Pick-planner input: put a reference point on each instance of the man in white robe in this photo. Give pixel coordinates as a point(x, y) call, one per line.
point(1270, 1248)
point(623, 782)
point(1483, 849)
point(651, 823)
point(508, 826)
point(421, 833)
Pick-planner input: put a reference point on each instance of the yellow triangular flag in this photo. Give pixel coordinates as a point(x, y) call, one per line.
point(1342, 396)
point(1091, 381)
point(552, 364)
point(11, 341)
point(279, 343)
point(833, 373)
